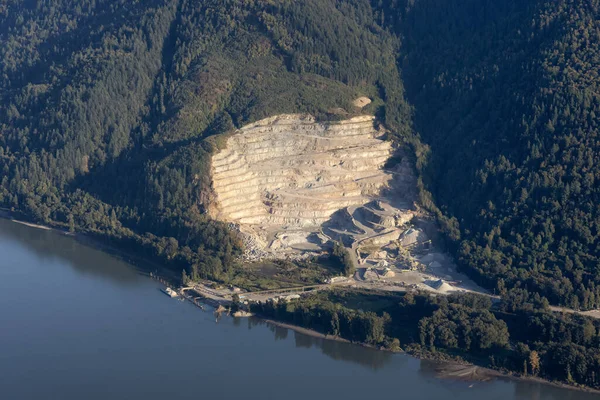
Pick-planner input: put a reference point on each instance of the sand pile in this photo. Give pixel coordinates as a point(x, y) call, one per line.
point(441, 286)
point(412, 236)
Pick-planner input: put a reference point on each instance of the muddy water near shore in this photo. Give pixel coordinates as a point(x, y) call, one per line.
point(76, 323)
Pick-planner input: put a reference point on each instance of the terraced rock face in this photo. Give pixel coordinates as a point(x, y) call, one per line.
point(292, 171)
point(293, 186)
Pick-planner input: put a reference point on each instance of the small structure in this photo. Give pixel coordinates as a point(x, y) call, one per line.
point(169, 292)
point(336, 279)
point(242, 314)
point(409, 264)
point(290, 297)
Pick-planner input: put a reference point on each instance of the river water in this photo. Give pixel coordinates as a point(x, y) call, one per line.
point(77, 323)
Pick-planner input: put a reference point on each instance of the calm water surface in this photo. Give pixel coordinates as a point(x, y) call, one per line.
point(76, 323)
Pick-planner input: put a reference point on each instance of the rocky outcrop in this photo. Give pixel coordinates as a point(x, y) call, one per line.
point(291, 184)
point(292, 171)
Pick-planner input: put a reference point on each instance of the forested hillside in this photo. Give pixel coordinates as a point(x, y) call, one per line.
point(109, 109)
point(506, 95)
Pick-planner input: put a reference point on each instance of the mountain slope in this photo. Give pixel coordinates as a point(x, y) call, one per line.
point(110, 109)
point(506, 96)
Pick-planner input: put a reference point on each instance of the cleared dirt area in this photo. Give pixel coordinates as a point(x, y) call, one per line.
point(293, 186)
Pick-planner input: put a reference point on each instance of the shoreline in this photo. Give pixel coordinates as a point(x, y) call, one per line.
point(106, 244)
point(307, 332)
point(29, 224)
point(488, 373)
point(135, 260)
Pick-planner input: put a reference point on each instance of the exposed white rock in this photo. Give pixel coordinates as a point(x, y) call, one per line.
point(291, 170)
point(279, 180)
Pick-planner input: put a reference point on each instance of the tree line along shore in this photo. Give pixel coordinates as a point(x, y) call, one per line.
point(513, 336)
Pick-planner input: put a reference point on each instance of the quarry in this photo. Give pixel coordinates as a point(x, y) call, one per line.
point(292, 186)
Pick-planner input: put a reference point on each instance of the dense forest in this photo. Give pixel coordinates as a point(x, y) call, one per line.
point(110, 110)
point(506, 102)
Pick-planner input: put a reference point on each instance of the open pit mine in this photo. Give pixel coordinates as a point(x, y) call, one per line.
point(292, 185)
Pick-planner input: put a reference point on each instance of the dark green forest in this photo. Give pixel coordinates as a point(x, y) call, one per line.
point(505, 97)
point(111, 109)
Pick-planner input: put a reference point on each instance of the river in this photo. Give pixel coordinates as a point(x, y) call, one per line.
point(77, 323)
